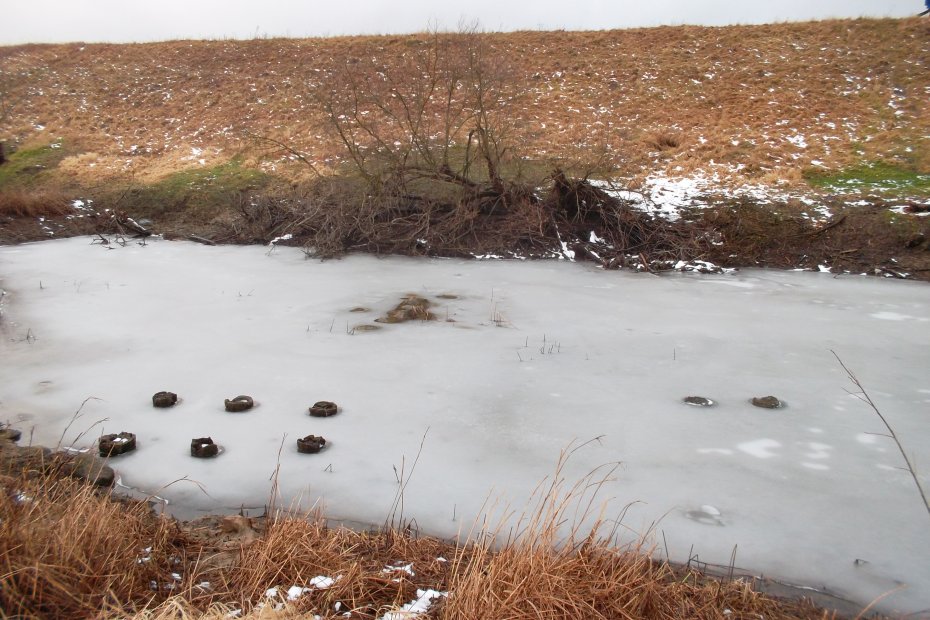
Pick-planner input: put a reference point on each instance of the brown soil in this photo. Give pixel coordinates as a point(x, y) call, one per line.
point(870, 240)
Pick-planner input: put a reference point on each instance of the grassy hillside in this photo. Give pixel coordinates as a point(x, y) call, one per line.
point(664, 99)
point(189, 133)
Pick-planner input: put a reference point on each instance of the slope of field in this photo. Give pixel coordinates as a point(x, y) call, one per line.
point(766, 102)
point(814, 117)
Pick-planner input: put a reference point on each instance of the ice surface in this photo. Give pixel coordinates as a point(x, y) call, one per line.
point(528, 357)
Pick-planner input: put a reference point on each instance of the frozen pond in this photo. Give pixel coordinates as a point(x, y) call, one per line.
point(523, 359)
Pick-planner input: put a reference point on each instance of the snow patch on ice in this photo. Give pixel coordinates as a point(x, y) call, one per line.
point(760, 448)
point(895, 316)
point(816, 466)
point(819, 451)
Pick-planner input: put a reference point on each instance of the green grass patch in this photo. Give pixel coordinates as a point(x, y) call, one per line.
point(198, 192)
point(872, 177)
point(26, 167)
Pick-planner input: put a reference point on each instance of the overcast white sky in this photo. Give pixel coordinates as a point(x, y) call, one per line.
point(40, 21)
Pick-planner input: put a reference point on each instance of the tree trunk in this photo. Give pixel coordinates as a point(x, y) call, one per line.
point(2, 153)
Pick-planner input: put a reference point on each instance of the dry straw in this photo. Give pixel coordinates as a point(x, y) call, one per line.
point(70, 551)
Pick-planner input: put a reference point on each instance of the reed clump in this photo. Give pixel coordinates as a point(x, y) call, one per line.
point(68, 550)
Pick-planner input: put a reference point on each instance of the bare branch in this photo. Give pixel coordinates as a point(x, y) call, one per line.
point(864, 397)
point(284, 147)
point(405, 119)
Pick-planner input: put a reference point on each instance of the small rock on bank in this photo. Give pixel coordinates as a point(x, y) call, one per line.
point(89, 468)
point(86, 466)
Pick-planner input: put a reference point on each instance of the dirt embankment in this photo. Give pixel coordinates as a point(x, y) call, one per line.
point(763, 103)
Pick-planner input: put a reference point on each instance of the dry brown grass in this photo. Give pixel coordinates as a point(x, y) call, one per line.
point(730, 95)
point(33, 203)
point(175, 131)
point(295, 549)
point(68, 551)
point(561, 561)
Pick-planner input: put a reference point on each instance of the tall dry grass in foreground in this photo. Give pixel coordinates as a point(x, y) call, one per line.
point(561, 560)
point(69, 551)
point(18, 202)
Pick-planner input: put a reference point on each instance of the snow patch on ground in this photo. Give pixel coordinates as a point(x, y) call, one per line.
point(417, 607)
point(672, 197)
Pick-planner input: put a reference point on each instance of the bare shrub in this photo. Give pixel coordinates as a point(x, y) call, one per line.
point(440, 112)
point(263, 217)
point(432, 136)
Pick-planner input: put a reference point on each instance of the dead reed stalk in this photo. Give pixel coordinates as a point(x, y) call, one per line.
point(863, 395)
point(67, 551)
point(562, 561)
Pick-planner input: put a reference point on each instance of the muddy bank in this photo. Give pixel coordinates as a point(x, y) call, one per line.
point(884, 238)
